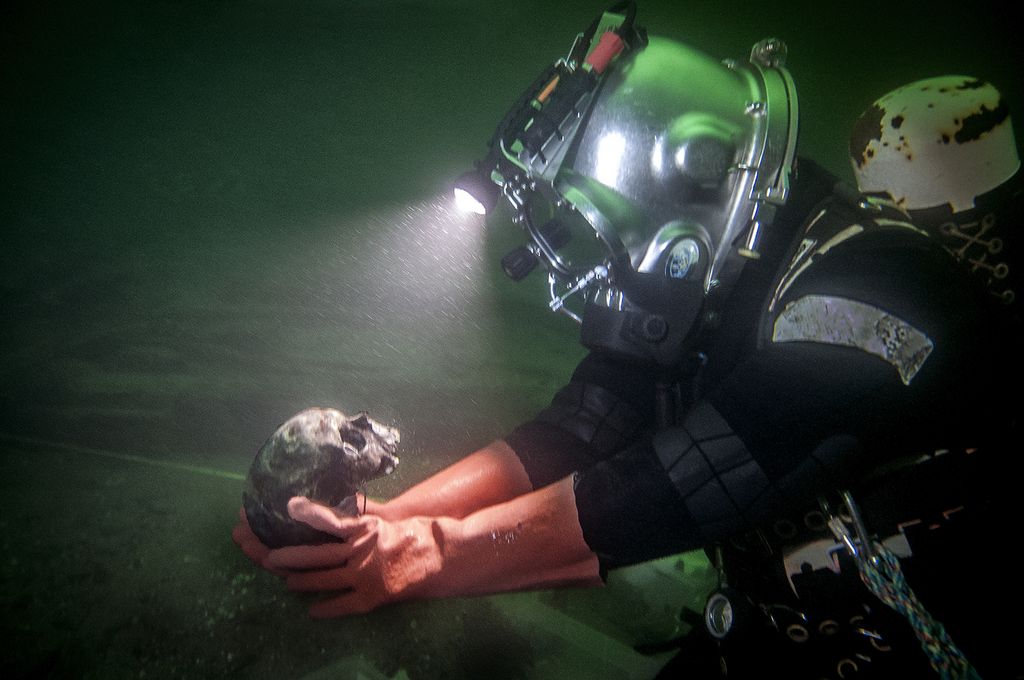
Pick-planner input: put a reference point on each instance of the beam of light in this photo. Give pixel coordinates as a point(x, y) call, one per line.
point(382, 310)
point(404, 277)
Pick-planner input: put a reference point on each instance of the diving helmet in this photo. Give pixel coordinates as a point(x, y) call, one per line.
point(644, 173)
point(943, 149)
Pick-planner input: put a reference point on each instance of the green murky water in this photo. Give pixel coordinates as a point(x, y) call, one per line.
point(216, 214)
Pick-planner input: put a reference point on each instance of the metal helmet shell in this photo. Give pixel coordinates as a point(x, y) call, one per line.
point(644, 172)
point(677, 144)
point(935, 141)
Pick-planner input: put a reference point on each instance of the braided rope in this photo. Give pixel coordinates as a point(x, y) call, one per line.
point(882, 575)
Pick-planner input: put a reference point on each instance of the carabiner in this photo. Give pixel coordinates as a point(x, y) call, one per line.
point(858, 542)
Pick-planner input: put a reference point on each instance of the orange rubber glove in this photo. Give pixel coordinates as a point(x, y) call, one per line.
point(532, 541)
point(486, 477)
point(250, 544)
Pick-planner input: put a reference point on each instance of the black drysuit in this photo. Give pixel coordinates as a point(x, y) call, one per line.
point(856, 342)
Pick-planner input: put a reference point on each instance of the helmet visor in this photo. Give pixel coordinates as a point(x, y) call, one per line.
point(569, 243)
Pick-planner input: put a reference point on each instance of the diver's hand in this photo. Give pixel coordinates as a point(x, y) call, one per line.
point(379, 562)
point(531, 541)
point(489, 476)
point(250, 544)
point(243, 535)
point(382, 509)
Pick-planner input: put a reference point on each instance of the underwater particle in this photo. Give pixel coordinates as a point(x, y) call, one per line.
point(322, 454)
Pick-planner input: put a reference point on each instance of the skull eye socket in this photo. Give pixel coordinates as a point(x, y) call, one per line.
point(352, 437)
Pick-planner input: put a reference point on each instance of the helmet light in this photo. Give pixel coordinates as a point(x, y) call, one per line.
point(475, 192)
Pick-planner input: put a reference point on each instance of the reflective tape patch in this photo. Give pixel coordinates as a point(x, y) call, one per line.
point(839, 321)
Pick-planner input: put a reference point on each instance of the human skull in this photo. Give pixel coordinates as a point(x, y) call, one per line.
point(322, 454)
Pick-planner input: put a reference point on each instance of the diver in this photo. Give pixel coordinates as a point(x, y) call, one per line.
point(771, 356)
